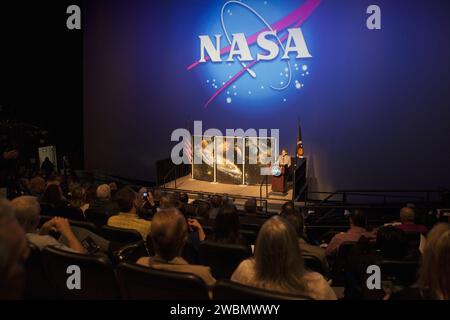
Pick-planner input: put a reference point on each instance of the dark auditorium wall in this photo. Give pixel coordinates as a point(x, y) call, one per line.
point(375, 109)
point(41, 72)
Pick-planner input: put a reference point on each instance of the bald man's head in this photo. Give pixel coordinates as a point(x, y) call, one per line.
point(407, 214)
point(104, 192)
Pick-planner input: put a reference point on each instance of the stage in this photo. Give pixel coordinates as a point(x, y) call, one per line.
point(239, 192)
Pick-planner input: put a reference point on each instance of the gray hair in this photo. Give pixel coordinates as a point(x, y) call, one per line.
point(27, 212)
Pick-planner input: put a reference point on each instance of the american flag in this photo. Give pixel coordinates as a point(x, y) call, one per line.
point(187, 150)
point(300, 151)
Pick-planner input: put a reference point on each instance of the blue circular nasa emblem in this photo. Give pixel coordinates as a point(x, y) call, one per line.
point(276, 171)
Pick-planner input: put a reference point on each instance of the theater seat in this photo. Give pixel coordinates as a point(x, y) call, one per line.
point(229, 290)
point(120, 237)
point(249, 235)
point(98, 281)
point(100, 219)
point(131, 253)
point(223, 259)
point(143, 283)
point(85, 225)
point(37, 285)
point(314, 264)
point(400, 272)
point(70, 213)
point(338, 270)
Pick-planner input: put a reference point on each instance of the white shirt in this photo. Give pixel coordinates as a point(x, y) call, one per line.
point(285, 160)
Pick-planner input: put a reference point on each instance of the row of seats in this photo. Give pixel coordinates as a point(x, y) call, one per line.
point(399, 273)
point(222, 258)
point(48, 278)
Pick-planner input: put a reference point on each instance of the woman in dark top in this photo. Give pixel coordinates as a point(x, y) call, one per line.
point(434, 273)
point(226, 226)
point(53, 197)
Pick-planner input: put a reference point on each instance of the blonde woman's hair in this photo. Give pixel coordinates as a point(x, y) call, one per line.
point(278, 258)
point(168, 233)
point(434, 275)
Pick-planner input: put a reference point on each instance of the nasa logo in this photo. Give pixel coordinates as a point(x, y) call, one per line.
point(239, 46)
point(283, 39)
point(276, 171)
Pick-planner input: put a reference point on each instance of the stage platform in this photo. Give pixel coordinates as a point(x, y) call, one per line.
point(240, 192)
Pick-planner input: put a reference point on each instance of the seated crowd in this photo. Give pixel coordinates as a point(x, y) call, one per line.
point(169, 223)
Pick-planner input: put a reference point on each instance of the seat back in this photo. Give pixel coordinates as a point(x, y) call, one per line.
point(249, 235)
point(144, 283)
point(100, 219)
point(37, 285)
point(223, 259)
point(120, 236)
point(340, 263)
point(314, 264)
point(97, 276)
point(413, 239)
point(190, 210)
point(228, 290)
point(70, 213)
point(131, 253)
point(400, 272)
point(85, 225)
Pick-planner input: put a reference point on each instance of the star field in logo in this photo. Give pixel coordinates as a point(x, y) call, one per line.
point(281, 42)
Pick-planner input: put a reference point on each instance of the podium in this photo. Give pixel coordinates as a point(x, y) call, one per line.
point(279, 182)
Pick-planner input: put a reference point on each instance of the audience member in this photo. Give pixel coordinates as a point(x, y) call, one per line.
point(184, 198)
point(53, 197)
point(157, 195)
point(296, 220)
point(168, 234)
point(47, 166)
point(227, 226)
point(203, 208)
point(216, 202)
point(407, 218)
point(168, 201)
point(129, 205)
point(250, 206)
point(358, 223)
point(288, 207)
point(278, 264)
point(78, 199)
point(27, 212)
point(37, 186)
point(149, 208)
point(103, 203)
point(91, 194)
point(434, 275)
point(113, 187)
point(13, 253)
point(392, 243)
